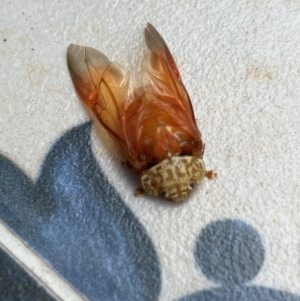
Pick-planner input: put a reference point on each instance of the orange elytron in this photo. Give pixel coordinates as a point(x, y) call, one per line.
point(152, 122)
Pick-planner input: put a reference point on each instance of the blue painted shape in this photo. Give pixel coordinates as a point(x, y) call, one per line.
point(76, 220)
point(17, 284)
point(241, 293)
point(230, 253)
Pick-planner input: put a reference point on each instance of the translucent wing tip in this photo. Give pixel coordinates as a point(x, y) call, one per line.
point(86, 66)
point(150, 26)
point(154, 40)
point(80, 58)
point(151, 29)
point(75, 53)
point(73, 49)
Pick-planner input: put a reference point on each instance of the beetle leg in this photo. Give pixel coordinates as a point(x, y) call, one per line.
point(139, 192)
point(127, 164)
point(210, 174)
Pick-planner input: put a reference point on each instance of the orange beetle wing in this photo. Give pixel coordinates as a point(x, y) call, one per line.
point(107, 88)
point(162, 76)
point(149, 123)
point(165, 124)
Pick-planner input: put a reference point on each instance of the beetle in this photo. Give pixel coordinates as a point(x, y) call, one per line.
point(152, 120)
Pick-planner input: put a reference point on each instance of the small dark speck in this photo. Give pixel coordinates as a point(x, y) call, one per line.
point(4, 40)
point(31, 28)
point(32, 48)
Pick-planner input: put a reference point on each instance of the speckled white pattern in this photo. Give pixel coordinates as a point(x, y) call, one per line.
point(174, 177)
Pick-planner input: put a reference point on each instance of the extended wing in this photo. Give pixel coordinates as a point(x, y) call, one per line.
point(162, 77)
point(149, 123)
point(107, 88)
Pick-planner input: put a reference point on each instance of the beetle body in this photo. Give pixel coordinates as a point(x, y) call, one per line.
point(152, 121)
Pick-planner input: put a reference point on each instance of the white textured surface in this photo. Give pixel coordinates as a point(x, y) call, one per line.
point(240, 61)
